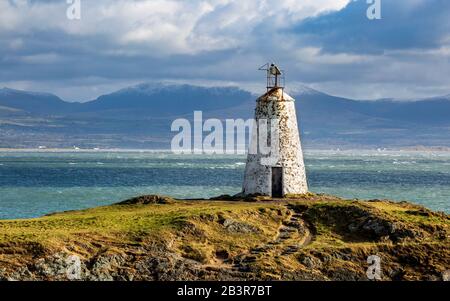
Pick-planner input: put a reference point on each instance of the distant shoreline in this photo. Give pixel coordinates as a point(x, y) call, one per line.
point(442, 149)
point(81, 150)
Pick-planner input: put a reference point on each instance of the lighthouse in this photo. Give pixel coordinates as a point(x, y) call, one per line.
point(281, 170)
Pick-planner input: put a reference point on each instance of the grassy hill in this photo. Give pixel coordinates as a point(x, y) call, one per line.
point(310, 237)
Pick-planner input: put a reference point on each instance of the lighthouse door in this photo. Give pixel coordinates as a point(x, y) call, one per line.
point(277, 182)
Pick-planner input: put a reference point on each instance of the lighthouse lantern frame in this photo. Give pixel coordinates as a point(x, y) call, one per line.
point(275, 76)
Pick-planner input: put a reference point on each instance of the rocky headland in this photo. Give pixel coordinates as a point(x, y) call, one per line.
point(305, 237)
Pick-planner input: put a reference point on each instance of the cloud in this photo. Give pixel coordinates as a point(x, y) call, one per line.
point(328, 44)
point(405, 24)
point(172, 26)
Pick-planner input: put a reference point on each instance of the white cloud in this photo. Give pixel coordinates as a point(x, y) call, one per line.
point(314, 55)
point(163, 26)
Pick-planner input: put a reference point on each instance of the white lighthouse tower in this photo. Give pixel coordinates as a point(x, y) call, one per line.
point(282, 171)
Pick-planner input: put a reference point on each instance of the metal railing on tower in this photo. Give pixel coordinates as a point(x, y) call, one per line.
point(275, 76)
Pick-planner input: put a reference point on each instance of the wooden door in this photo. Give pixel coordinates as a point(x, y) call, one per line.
point(277, 182)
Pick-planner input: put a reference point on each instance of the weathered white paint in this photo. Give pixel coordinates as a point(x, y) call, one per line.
point(278, 105)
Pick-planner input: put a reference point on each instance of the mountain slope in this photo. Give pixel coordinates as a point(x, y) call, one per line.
point(340, 121)
point(34, 102)
point(433, 111)
point(160, 99)
point(141, 117)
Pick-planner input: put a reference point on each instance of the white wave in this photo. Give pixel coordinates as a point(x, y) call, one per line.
point(404, 162)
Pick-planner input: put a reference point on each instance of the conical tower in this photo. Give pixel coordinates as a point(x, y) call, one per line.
point(282, 170)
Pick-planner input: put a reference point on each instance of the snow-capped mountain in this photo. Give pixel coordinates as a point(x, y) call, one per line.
point(300, 89)
point(164, 99)
point(140, 116)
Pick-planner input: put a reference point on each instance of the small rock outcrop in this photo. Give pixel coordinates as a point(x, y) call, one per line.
point(148, 199)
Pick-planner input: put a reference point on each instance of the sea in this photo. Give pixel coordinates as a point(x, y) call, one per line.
point(36, 183)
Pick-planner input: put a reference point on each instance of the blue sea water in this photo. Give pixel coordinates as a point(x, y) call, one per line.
point(37, 183)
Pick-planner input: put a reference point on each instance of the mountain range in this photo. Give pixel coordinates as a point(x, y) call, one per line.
point(140, 117)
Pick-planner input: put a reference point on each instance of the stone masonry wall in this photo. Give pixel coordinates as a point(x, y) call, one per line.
point(258, 178)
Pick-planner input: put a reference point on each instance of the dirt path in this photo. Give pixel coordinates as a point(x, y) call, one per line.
point(292, 235)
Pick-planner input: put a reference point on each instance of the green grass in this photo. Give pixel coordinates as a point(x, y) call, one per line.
point(112, 221)
point(193, 228)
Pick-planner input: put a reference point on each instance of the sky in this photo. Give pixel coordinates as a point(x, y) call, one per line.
point(328, 45)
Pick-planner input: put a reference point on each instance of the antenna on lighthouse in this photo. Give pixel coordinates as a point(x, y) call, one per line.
point(275, 76)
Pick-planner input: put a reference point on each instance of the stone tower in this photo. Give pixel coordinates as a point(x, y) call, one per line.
point(282, 171)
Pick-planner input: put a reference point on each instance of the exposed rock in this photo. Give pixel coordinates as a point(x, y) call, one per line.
point(148, 199)
point(59, 266)
point(446, 275)
point(106, 267)
point(310, 262)
point(239, 227)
